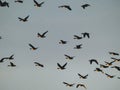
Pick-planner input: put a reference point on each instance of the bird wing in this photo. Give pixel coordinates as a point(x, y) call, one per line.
point(31, 46)
point(26, 17)
point(35, 2)
point(39, 64)
point(67, 56)
point(65, 83)
point(59, 65)
point(68, 7)
point(20, 18)
point(64, 65)
point(44, 33)
point(41, 3)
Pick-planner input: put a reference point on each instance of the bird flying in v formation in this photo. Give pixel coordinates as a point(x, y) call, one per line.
point(38, 4)
point(23, 19)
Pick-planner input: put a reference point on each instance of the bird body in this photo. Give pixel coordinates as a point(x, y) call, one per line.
point(38, 64)
point(61, 67)
point(86, 34)
point(23, 19)
point(19, 1)
point(42, 35)
point(103, 66)
point(78, 46)
point(4, 4)
point(99, 70)
point(12, 64)
point(65, 6)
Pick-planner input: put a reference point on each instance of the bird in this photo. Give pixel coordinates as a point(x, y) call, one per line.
point(2, 59)
point(11, 57)
point(65, 6)
point(109, 63)
point(99, 70)
point(61, 67)
point(42, 35)
point(3, 4)
point(19, 1)
point(67, 84)
point(32, 47)
point(85, 5)
point(115, 59)
point(103, 66)
point(12, 64)
point(93, 60)
point(113, 53)
point(69, 57)
point(83, 77)
point(77, 37)
point(78, 46)
point(116, 67)
point(23, 19)
point(38, 64)
point(86, 34)
point(38, 4)
point(81, 85)
point(109, 76)
point(62, 42)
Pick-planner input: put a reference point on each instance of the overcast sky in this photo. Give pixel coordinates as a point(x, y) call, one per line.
point(101, 20)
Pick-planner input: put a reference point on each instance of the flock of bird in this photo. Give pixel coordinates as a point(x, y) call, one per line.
point(59, 66)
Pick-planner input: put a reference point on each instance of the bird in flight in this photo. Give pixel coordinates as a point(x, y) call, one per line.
point(23, 19)
point(67, 84)
point(12, 64)
point(81, 85)
point(114, 53)
point(99, 70)
point(62, 42)
point(42, 35)
point(86, 34)
point(38, 64)
point(38, 4)
point(11, 57)
point(116, 67)
point(109, 63)
point(85, 5)
point(83, 77)
point(68, 57)
point(19, 1)
point(65, 6)
point(3, 4)
point(93, 60)
point(77, 37)
point(33, 47)
point(62, 67)
point(78, 46)
point(103, 66)
point(115, 59)
point(109, 76)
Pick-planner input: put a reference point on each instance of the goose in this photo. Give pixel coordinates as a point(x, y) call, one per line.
point(23, 19)
point(62, 67)
point(32, 47)
point(38, 4)
point(65, 6)
point(83, 77)
point(85, 5)
point(42, 35)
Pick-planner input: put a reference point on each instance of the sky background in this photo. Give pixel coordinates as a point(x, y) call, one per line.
point(101, 20)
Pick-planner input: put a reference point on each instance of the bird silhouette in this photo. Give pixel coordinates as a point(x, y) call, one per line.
point(12, 64)
point(38, 64)
point(65, 6)
point(109, 76)
point(85, 5)
point(11, 57)
point(116, 67)
point(103, 66)
point(85, 34)
point(77, 37)
point(81, 85)
point(83, 77)
point(115, 59)
point(38, 4)
point(67, 84)
point(114, 53)
point(2, 59)
point(109, 63)
point(33, 47)
point(23, 19)
point(68, 57)
point(19, 1)
point(78, 46)
point(99, 70)
point(62, 42)
point(42, 35)
point(61, 67)
point(4, 4)
point(93, 60)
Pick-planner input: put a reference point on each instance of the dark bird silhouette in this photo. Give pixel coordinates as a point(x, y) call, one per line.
point(4, 4)
point(114, 53)
point(78, 46)
point(85, 34)
point(2, 59)
point(65, 6)
point(115, 59)
point(67, 84)
point(109, 63)
point(23, 19)
point(85, 5)
point(116, 67)
point(109, 76)
point(118, 77)
point(81, 85)
point(12, 64)
point(62, 42)
point(83, 77)
point(77, 37)
point(38, 4)
point(42, 35)
point(68, 57)
point(11, 57)
point(32, 47)
point(61, 67)
point(19, 1)
point(38, 64)
point(103, 66)
point(93, 60)
point(99, 70)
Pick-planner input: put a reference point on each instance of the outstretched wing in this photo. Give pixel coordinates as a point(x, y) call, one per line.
point(26, 17)
point(44, 33)
point(64, 64)
point(31, 46)
point(35, 2)
point(59, 65)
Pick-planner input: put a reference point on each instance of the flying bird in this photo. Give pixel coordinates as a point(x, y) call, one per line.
point(65, 6)
point(109, 76)
point(85, 5)
point(68, 57)
point(115, 59)
point(4, 4)
point(38, 64)
point(86, 34)
point(77, 37)
point(62, 42)
point(23, 19)
point(93, 60)
point(42, 35)
point(81, 85)
point(12, 64)
point(114, 53)
point(33, 47)
point(83, 77)
point(67, 84)
point(38, 4)
point(19, 1)
point(11, 57)
point(61, 67)
point(2, 59)
point(78, 46)
point(116, 67)
point(109, 63)
point(99, 70)
point(103, 66)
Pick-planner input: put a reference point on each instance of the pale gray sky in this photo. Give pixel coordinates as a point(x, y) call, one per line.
point(101, 20)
